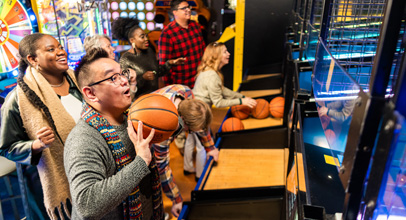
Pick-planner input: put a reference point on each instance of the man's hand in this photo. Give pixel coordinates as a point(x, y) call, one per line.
point(45, 137)
point(176, 209)
point(141, 145)
point(214, 153)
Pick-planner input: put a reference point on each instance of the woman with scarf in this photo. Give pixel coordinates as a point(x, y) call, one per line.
point(36, 119)
point(140, 58)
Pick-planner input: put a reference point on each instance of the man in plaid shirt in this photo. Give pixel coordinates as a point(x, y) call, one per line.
point(181, 38)
point(196, 116)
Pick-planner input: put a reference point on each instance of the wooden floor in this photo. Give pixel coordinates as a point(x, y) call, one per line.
point(242, 168)
point(187, 183)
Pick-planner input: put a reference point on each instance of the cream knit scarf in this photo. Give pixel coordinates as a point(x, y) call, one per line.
point(50, 167)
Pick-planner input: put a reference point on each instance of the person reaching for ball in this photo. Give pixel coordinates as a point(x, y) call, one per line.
point(195, 117)
point(106, 162)
point(209, 87)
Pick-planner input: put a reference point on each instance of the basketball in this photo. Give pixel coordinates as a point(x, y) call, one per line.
point(261, 110)
point(232, 124)
point(276, 107)
point(155, 111)
point(240, 111)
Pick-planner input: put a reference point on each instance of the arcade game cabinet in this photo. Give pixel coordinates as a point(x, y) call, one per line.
point(71, 22)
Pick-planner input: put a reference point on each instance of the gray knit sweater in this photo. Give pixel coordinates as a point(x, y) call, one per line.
point(208, 88)
point(97, 189)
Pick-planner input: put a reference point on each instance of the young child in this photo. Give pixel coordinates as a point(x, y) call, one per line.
point(195, 117)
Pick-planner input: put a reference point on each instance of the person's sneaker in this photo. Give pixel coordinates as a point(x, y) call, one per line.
point(180, 142)
point(166, 216)
point(188, 172)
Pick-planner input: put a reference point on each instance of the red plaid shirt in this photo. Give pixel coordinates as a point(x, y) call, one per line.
point(175, 42)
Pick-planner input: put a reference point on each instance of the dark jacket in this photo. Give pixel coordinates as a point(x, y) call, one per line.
point(141, 63)
point(14, 141)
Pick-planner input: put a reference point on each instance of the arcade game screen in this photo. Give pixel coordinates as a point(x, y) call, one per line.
point(71, 22)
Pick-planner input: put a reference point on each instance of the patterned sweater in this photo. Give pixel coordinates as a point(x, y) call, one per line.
point(97, 189)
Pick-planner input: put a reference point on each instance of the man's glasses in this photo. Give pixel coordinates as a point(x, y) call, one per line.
point(185, 8)
point(115, 78)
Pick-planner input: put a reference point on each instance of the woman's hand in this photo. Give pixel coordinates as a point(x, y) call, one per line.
point(180, 60)
point(249, 102)
point(45, 137)
point(141, 145)
point(149, 75)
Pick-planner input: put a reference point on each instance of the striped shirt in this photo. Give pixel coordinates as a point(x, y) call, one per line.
point(161, 150)
point(176, 41)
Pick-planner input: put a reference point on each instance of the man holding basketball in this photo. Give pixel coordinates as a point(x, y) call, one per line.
point(111, 171)
point(195, 117)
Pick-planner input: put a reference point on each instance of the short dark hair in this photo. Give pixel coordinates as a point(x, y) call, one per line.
point(175, 4)
point(82, 71)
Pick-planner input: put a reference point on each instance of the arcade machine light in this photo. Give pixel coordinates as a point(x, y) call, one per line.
point(71, 22)
point(353, 34)
point(15, 23)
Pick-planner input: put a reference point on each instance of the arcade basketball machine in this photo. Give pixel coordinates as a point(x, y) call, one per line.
point(70, 22)
point(346, 135)
point(16, 21)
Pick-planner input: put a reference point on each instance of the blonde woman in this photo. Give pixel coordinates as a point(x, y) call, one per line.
point(209, 87)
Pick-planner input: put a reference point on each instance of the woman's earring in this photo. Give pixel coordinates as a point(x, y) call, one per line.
point(133, 44)
point(37, 67)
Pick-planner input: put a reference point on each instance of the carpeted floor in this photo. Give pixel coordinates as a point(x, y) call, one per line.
point(6, 206)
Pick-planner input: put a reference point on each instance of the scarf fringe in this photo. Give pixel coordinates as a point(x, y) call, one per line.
point(63, 208)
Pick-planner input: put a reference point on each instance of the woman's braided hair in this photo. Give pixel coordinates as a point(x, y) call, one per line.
point(28, 46)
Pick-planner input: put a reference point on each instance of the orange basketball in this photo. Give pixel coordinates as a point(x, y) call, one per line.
point(240, 111)
point(155, 111)
point(261, 110)
point(232, 124)
point(276, 107)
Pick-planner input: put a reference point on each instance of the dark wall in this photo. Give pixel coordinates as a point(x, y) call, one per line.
point(265, 25)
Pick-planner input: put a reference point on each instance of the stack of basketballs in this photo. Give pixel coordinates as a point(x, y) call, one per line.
point(261, 111)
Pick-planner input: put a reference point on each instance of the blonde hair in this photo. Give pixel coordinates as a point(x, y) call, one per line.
point(211, 59)
point(195, 113)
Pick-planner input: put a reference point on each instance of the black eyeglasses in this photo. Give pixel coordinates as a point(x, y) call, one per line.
point(115, 78)
point(185, 8)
